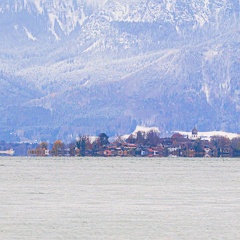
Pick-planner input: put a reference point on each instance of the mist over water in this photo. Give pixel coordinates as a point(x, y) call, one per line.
point(119, 198)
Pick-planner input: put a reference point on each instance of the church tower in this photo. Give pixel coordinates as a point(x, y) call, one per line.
point(194, 134)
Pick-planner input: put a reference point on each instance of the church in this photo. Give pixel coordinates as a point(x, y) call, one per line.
point(194, 134)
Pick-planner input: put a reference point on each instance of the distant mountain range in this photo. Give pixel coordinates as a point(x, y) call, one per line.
point(71, 67)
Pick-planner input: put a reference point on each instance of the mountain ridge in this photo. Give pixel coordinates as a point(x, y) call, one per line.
point(167, 64)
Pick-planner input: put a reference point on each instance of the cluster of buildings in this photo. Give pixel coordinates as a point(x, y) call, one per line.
point(178, 145)
point(143, 142)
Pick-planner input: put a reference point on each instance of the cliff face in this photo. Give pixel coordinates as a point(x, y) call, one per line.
point(59, 18)
point(92, 68)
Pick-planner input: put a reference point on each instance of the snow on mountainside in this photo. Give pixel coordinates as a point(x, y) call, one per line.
point(59, 17)
point(209, 135)
point(144, 130)
point(62, 17)
point(111, 67)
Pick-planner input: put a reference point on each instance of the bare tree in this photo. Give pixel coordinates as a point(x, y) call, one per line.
point(58, 148)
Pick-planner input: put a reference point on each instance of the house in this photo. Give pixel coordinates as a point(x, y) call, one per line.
point(39, 152)
point(152, 152)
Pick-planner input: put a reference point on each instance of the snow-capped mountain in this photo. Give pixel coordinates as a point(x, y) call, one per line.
point(87, 67)
point(40, 18)
point(62, 17)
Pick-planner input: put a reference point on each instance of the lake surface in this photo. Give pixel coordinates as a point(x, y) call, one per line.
point(119, 198)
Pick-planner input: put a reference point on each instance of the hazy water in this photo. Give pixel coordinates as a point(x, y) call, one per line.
point(120, 198)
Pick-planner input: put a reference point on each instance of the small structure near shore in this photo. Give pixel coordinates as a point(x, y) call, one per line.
point(38, 152)
point(8, 152)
